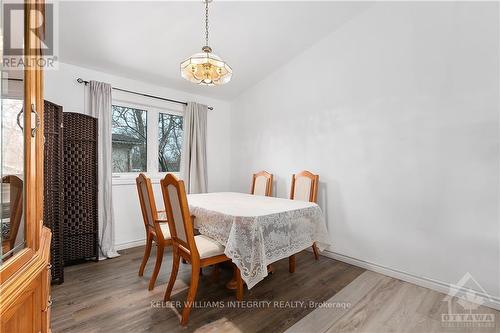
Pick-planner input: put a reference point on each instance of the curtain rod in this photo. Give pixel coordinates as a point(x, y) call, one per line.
point(79, 80)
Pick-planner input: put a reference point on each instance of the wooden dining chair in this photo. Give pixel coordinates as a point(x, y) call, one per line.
point(304, 188)
point(15, 210)
point(262, 184)
point(200, 250)
point(157, 229)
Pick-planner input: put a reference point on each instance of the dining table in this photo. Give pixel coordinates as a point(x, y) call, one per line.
point(258, 230)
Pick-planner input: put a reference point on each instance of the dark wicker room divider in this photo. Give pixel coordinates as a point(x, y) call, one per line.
point(53, 185)
point(80, 188)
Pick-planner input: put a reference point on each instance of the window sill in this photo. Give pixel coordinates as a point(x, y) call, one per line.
point(124, 180)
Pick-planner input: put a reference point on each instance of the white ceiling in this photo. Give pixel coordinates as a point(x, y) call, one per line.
point(147, 40)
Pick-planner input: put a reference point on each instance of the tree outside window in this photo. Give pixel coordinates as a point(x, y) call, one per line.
point(129, 139)
point(170, 142)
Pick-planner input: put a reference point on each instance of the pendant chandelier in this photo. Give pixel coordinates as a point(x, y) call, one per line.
point(206, 68)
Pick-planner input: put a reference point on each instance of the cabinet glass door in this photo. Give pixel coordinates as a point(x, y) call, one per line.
point(12, 139)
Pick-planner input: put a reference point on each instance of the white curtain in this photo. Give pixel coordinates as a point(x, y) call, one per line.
point(194, 148)
point(100, 108)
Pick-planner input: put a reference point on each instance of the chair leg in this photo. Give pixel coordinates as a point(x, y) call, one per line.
point(147, 253)
point(195, 276)
point(239, 285)
point(159, 259)
point(291, 263)
point(173, 274)
point(316, 251)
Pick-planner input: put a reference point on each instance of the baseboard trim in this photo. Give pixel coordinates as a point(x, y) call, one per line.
point(128, 245)
point(440, 286)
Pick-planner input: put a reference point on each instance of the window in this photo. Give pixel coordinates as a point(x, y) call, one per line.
point(169, 142)
point(129, 139)
point(145, 138)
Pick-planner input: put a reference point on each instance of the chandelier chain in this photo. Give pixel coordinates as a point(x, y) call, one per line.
point(206, 22)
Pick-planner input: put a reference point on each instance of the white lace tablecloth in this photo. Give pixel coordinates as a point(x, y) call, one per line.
point(258, 230)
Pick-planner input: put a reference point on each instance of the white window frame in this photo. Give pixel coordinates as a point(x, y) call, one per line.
point(152, 141)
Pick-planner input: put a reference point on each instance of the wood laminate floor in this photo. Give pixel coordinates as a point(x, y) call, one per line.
point(109, 296)
point(379, 304)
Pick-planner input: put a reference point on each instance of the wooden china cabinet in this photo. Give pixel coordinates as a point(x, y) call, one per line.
point(24, 264)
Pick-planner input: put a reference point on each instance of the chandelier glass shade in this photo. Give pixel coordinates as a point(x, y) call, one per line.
point(206, 68)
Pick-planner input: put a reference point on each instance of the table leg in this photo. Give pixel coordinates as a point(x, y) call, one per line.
point(239, 284)
point(291, 263)
point(232, 284)
point(215, 273)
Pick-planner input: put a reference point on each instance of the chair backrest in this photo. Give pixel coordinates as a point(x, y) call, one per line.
point(147, 200)
point(178, 216)
point(304, 186)
point(16, 206)
point(262, 183)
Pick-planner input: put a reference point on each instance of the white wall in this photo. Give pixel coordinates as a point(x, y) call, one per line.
point(397, 111)
point(61, 88)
